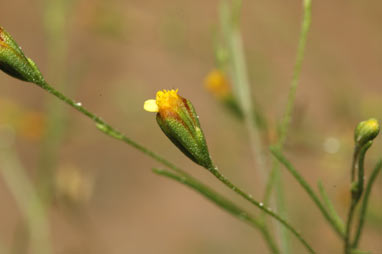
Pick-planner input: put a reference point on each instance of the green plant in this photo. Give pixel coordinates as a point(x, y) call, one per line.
point(179, 121)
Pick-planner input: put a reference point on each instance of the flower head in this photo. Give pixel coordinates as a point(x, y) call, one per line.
point(366, 131)
point(177, 118)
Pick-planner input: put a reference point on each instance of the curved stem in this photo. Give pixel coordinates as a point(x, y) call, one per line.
point(356, 192)
point(365, 200)
point(268, 211)
point(223, 203)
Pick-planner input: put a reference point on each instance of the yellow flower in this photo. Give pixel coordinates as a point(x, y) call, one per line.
point(178, 120)
point(165, 100)
point(217, 83)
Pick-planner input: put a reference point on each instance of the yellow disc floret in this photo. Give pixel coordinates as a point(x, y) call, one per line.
point(165, 99)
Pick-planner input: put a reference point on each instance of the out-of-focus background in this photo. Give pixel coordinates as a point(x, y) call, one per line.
point(113, 55)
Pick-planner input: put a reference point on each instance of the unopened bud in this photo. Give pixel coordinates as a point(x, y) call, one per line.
point(15, 63)
point(178, 120)
point(218, 84)
point(366, 131)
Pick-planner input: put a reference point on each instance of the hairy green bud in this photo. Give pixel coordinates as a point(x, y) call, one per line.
point(366, 131)
point(178, 120)
point(15, 63)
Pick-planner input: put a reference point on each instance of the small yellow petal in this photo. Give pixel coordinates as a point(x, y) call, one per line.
point(150, 106)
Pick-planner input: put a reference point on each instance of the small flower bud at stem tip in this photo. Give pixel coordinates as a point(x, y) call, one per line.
point(366, 131)
point(178, 120)
point(15, 63)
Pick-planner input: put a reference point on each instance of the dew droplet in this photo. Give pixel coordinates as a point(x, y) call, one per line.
point(261, 204)
point(78, 104)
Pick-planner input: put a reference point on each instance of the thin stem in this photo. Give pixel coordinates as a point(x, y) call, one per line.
point(241, 84)
point(27, 200)
point(249, 198)
point(55, 15)
point(330, 207)
point(364, 204)
point(356, 193)
point(276, 152)
point(296, 71)
point(276, 174)
point(223, 203)
point(108, 129)
point(348, 226)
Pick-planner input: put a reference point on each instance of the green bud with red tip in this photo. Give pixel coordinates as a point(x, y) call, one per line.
point(177, 118)
point(15, 63)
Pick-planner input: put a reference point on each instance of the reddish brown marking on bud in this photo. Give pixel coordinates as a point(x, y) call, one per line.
point(167, 114)
point(1, 34)
point(188, 110)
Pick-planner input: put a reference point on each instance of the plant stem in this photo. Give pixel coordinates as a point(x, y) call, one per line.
point(330, 208)
point(27, 200)
point(55, 22)
point(356, 191)
point(249, 198)
point(108, 129)
point(364, 204)
point(276, 152)
point(230, 25)
point(223, 203)
point(276, 174)
point(296, 71)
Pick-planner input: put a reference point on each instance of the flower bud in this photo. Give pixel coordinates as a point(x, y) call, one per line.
point(15, 63)
point(178, 120)
point(366, 131)
point(218, 84)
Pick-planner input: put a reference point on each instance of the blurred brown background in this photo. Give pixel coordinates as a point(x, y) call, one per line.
point(113, 55)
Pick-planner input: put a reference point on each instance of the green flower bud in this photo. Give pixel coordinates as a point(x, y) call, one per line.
point(178, 120)
point(366, 131)
point(15, 63)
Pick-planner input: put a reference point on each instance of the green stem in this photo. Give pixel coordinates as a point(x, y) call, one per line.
point(230, 25)
point(276, 152)
point(55, 22)
point(276, 173)
point(296, 71)
point(268, 211)
point(223, 203)
point(108, 129)
point(331, 210)
point(348, 225)
point(27, 200)
point(356, 192)
point(364, 204)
